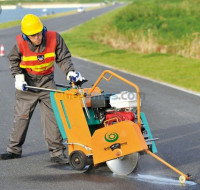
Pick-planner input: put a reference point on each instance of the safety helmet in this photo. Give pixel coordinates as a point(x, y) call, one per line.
point(31, 24)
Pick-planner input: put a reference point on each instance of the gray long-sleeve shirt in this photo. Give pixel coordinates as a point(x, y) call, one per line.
point(63, 56)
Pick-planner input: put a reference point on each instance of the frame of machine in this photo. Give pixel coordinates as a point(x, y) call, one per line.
point(95, 131)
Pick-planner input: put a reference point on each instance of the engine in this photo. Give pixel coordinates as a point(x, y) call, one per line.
point(114, 108)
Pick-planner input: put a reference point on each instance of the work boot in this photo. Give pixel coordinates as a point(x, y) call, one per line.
point(9, 155)
point(61, 159)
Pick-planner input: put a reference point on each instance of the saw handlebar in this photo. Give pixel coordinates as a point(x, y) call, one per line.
point(41, 89)
point(72, 85)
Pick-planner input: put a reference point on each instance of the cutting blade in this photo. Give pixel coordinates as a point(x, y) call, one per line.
point(123, 165)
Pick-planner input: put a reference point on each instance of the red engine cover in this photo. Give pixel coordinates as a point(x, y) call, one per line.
point(113, 117)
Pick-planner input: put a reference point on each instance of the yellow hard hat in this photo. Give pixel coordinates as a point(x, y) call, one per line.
point(31, 24)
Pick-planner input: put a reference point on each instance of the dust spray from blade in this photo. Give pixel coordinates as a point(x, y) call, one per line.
point(123, 165)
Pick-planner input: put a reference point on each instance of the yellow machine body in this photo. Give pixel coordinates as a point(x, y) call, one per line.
point(129, 135)
point(116, 141)
point(107, 142)
point(70, 108)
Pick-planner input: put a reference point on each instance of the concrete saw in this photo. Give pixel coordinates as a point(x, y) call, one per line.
point(104, 127)
point(123, 165)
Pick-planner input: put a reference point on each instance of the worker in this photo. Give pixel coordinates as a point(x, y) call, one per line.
point(32, 63)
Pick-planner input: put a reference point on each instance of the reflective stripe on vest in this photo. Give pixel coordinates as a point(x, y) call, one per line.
point(41, 67)
point(34, 58)
point(38, 63)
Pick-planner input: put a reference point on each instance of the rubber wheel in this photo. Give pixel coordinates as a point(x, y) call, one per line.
point(182, 179)
point(77, 160)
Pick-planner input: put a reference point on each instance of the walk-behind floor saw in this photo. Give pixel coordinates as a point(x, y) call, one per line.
point(100, 127)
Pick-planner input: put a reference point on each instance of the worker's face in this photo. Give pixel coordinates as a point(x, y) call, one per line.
point(36, 39)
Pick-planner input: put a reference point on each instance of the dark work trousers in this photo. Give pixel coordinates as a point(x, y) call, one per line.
point(25, 104)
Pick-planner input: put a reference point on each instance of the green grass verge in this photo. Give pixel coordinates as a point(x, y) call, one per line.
point(9, 24)
point(167, 19)
point(156, 26)
point(172, 69)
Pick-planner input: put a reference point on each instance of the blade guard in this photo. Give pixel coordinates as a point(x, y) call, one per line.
point(117, 140)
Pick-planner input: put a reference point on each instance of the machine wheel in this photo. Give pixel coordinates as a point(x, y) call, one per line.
point(77, 160)
point(182, 179)
point(123, 165)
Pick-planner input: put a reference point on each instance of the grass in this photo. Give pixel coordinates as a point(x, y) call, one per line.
point(164, 26)
point(165, 67)
point(9, 24)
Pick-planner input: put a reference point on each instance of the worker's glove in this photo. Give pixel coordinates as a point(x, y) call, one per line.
point(20, 82)
point(75, 76)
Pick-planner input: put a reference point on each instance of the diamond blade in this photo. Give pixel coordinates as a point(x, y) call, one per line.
point(123, 165)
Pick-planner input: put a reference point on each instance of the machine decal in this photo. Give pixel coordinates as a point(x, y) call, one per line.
point(111, 137)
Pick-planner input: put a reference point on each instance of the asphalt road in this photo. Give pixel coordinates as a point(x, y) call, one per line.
point(173, 116)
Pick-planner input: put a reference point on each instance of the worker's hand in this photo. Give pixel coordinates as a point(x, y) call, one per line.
point(20, 82)
point(74, 76)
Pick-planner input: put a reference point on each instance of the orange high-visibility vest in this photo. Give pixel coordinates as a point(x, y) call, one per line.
point(38, 63)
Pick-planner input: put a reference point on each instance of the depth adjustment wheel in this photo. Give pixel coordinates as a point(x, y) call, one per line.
point(77, 160)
